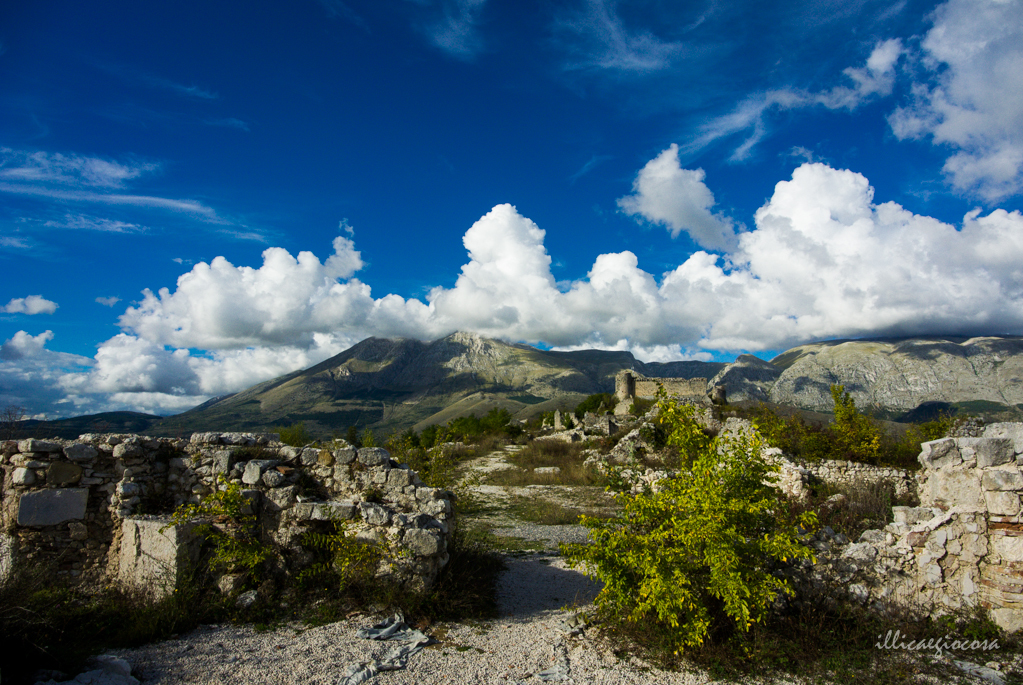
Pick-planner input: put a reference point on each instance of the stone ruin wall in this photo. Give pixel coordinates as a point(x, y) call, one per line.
point(631, 384)
point(82, 504)
point(962, 547)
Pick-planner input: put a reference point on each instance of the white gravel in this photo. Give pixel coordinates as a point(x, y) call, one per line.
point(536, 598)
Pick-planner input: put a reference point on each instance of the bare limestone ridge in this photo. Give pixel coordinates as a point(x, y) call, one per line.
point(982, 375)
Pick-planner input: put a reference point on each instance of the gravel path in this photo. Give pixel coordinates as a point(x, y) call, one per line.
point(537, 597)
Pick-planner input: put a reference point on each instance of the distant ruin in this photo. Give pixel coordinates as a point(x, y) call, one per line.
point(629, 384)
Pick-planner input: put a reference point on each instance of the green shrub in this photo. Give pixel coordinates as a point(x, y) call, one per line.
point(640, 406)
point(295, 435)
point(341, 556)
point(703, 547)
point(852, 436)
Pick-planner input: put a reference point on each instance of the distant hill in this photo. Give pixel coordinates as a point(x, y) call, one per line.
point(393, 384)
point(107, 422)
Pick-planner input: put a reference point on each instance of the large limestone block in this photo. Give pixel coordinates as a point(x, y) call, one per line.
point(80, 452)
point(957, 488)
point(423, 543)
point(32, 445)
point(374, 456)
point(993, 451)
point(1012, 431)
point(1002, 503)
point(154, 558)
point(1008, 548)
point(938, 454)
point(1007, 619)
point(255, 469)
point(62, 473)
point(50, 507)
point(1002, 480)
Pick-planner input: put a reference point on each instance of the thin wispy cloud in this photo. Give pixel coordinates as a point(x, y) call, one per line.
point(69, 170)
point(875, 79)
point(597, 38)
point(14, 243)
point(456, 30)
point(336, 9)
point(158, 82)
point(590, 165)
point(91, 180)
point(108, 301)
point(229, 122)
point(190, 207)
point(91, 223)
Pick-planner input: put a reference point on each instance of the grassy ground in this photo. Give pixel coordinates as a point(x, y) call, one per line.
point(566, 456)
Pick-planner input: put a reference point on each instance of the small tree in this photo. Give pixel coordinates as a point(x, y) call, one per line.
point(10, 421)
point(857, 434)
point(704, 544)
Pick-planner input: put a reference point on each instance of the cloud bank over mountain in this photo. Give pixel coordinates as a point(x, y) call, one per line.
point(822, 260)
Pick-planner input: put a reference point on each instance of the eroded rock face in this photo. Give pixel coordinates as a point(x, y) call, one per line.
point(897, 375)
point(748, 378)
point(902, 375)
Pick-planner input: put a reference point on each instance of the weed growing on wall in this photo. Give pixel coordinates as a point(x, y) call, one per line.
point(341, 556)
point(234, 534)
point(703, 547)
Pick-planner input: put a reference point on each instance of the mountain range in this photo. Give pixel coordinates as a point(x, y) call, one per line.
point(393, 384)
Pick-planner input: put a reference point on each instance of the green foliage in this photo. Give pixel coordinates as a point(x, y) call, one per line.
point(677, 427)
point(342, 557)
point(50, 621)
point(368, 439)
point(853, 436)
point(858, 435)
point(701, 549)
point(598, 403)
point(295, 435)
point(233, 533)
point(640, 406)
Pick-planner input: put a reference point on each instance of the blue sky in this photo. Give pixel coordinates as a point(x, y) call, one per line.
point(195, 197)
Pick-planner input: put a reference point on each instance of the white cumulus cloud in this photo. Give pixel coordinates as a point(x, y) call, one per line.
point(971, 95)
point(823, 259)
point(33, 304)
point(665, 193)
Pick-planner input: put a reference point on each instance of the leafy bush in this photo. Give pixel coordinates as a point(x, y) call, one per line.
point(295, 435)
point(701, 548)
point(640, 406)
point(341, 556)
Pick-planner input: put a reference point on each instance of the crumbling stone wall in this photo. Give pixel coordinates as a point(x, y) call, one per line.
point(88, 505)
point(962, 547)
